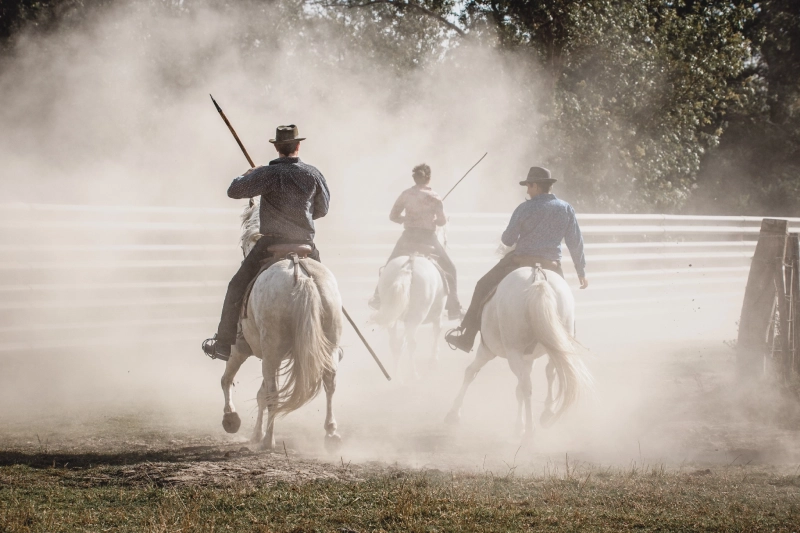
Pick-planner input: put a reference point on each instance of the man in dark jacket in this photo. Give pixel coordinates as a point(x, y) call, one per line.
point(420, 210)
point(293, 194)
point(536, 229)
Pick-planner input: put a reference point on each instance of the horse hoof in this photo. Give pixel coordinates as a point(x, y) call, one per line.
point(333, 443)
point(231, 422)
point(264, 445)
point(527, 438)
point(547, 418)
point(452, 418)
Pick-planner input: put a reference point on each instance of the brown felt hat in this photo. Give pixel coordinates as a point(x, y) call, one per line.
point(286, 134)
point(538, 175)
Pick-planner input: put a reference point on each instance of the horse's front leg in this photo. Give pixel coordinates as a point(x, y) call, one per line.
point(332, 438)
point(547, 415)
point(483, 356)
point(396, 344)
point(230, 419)
point(519, 426)
point(437, 331)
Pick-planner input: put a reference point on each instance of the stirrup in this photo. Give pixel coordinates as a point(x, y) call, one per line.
point(210, 349)
point(448, 333)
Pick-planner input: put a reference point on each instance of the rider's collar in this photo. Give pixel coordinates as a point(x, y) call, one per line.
point(281, 160)
point(545, 196)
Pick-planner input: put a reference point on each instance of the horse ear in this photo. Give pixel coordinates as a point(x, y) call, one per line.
point(252, 202)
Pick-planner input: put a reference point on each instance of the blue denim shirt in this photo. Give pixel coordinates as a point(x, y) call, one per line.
point(538, 225)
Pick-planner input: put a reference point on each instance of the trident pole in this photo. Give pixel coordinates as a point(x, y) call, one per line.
point(346, 314)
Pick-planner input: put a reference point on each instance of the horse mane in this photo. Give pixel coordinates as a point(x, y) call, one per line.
point(251, 224)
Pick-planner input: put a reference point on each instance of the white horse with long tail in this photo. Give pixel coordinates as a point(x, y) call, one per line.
point(412, 293)
point(293, 323)
point(531, 313)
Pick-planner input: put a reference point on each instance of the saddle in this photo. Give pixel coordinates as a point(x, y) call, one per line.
point(533, 261)
point(281, 251)
point(432, 257)
point(294, 251)
point(539, 265)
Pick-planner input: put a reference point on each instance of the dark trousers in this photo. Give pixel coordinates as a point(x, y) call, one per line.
point(490, 281)
point(231, 308)
point(425, 241)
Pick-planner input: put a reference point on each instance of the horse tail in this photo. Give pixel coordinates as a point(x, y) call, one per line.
point(311, 354)
point(395, 301)
point(549, 330)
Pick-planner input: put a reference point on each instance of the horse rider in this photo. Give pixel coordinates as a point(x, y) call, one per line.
point(293, 195)
point(536, 229)
point(424, 211)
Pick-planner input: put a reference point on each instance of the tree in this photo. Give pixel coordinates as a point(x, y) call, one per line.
point(757, 164)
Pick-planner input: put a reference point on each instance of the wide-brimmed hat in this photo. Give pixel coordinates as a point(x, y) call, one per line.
point(286, 134)
point(538, 175)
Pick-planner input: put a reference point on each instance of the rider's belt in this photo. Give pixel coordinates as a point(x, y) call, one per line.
point(532, 260)
point(282, 250)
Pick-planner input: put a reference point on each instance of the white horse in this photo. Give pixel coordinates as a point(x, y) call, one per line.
point(293, 324)
point(413, 292)
point(532, 313)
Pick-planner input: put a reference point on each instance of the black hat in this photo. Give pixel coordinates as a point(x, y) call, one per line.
point(538, 175)
point(286, 134)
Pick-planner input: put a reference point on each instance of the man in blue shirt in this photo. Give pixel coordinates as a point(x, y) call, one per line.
point(536, 229)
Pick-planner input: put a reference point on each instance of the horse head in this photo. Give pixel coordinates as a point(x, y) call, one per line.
point(250, 226)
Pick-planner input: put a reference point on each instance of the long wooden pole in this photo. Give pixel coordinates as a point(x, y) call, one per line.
point(464, 176)
point(233, 132)
point(360, 336)
point(346, 314)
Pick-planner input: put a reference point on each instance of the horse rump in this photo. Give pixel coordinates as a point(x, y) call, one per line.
point(549, 330)
point(395, 293)
point(311, 354)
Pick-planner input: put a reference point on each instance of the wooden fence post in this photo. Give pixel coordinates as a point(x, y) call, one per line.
point(792, 361)
point(758, 308)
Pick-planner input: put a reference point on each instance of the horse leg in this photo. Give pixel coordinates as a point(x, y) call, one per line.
point(332, 438)
point(230, 419)
point(396, 344)
point(519, 426)
point(547, 415)
point(483, 356)
point(522, 369)
point(411, 347)
point(437, 331)
point(270, 372)
point(261, 399)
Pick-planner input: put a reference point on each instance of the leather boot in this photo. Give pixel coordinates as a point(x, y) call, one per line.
point(461, 339)
point(215, 349)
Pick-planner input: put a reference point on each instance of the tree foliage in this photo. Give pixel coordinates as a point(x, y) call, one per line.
point(757, 163)
point(650, 105)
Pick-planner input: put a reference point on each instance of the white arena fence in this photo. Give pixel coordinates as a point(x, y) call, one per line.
point(77, 276)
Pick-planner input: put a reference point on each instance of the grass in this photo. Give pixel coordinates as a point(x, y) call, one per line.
point(107, 497)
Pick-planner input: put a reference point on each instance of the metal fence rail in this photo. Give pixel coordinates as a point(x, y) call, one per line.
point(76, 276)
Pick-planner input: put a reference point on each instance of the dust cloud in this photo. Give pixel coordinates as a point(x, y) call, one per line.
point(117, 114)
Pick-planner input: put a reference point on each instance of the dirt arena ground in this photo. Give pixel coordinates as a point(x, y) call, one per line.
point(669, 440)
